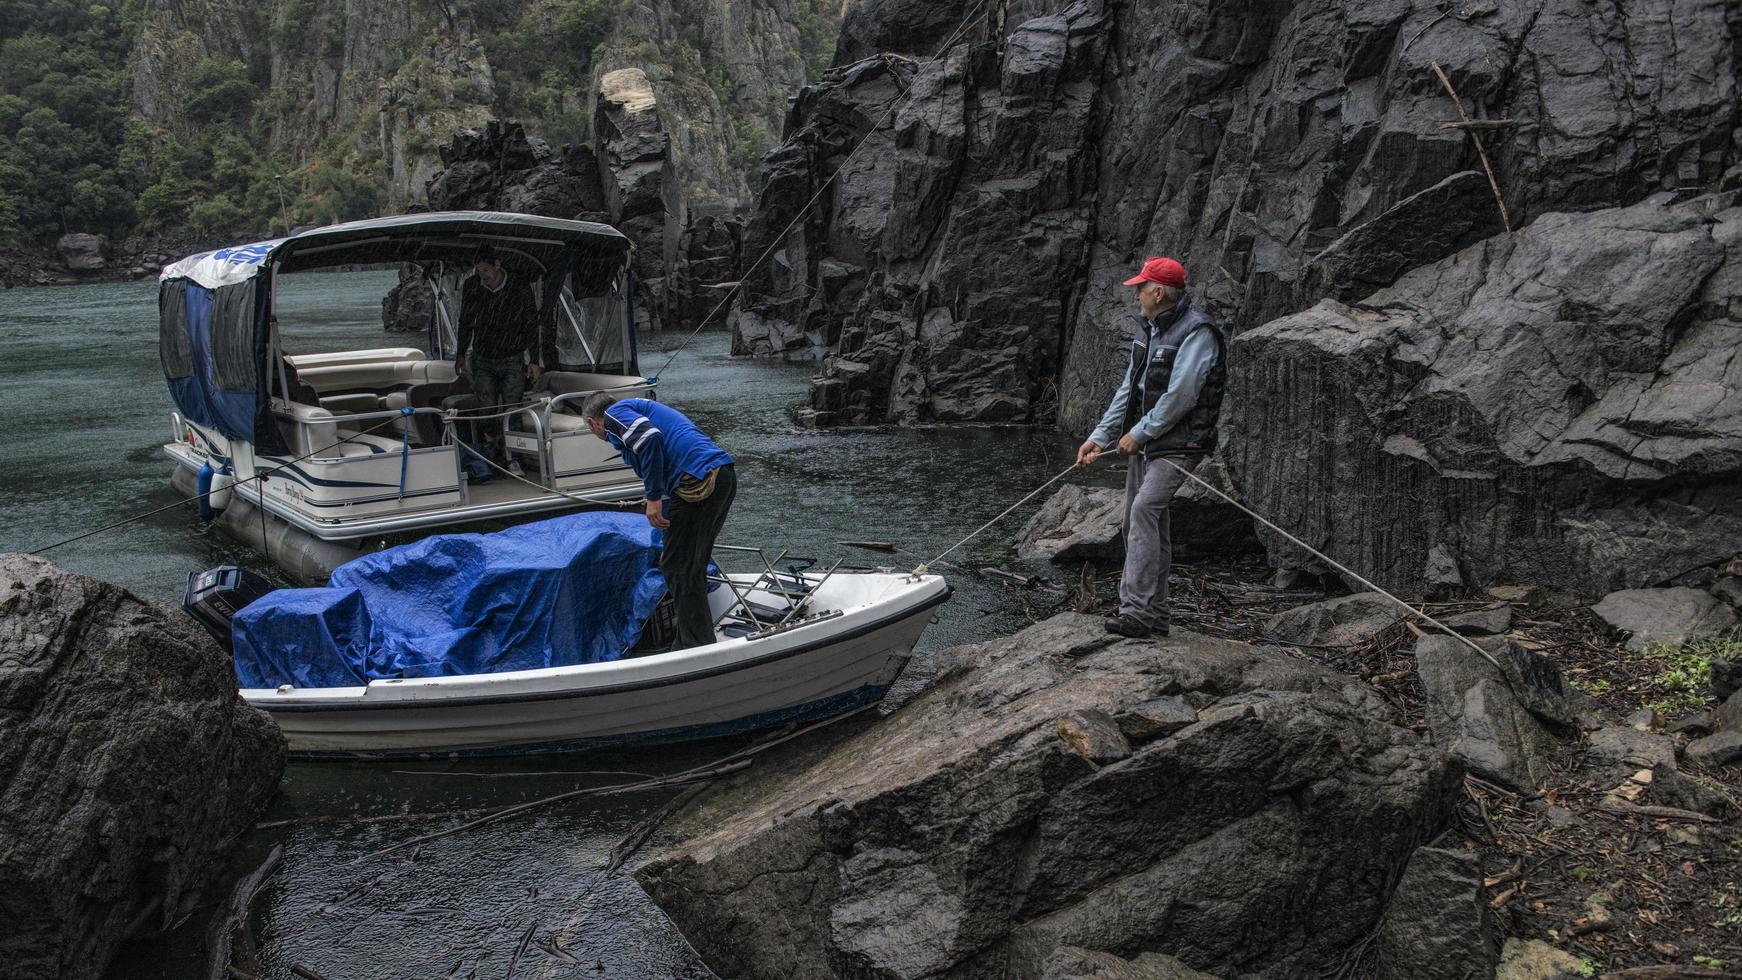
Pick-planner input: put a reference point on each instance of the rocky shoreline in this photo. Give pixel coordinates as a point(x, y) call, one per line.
point(1064, 804)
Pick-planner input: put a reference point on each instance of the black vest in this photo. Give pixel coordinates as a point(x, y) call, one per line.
point(1196, 431)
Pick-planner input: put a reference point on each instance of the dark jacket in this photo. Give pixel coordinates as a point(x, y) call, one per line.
point(1195, 432)
point(499, 323)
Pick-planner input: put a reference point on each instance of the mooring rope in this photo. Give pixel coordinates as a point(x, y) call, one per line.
point(1339, 566)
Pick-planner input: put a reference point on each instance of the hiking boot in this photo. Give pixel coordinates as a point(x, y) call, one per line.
point(1130, 627)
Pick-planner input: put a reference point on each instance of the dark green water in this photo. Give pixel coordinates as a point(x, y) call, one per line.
point(83, 411)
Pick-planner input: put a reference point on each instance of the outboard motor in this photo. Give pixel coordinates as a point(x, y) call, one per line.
point(216, 595)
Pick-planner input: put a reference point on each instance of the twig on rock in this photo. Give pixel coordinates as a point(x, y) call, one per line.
point(305, 972)
point(1483, 124)
point(1624, 809)
point(1505, 219)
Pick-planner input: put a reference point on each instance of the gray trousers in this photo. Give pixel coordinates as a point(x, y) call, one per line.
point(1149, 488)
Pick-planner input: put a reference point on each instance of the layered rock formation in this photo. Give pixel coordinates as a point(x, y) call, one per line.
point(1036, 806)
point(965, 264)
point(642, 191)
point(128, 764)
point(1555, 406)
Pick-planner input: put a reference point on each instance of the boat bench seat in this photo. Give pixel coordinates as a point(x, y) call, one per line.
point(377, 376)
point(319, 429)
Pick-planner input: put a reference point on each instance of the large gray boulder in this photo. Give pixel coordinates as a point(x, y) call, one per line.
point(1075, 523)
point(128, 764)
point(1545, 407)
point(497, 167)
point(1473, 713)
point(964, 837)
point(1664, 615)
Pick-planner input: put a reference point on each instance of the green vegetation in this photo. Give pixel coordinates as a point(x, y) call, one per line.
point(224, 143)
point(1683, 675)
point(542, 56)
point(63, 113)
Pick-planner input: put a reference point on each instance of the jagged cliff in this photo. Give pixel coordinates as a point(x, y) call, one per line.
point(968, 260)
point(372, 88)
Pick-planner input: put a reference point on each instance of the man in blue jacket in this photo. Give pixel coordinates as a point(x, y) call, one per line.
point(690, 483)
point(1163, 418)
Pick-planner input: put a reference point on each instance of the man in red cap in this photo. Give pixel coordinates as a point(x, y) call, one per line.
point(1163, 419)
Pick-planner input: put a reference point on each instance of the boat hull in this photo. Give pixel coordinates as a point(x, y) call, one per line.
point(802, 682)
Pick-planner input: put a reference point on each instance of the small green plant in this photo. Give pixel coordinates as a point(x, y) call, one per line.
point(1709, 962)
point(1596, 685)
point(1684, 671)
point(1581, 873)
point(1587, 968)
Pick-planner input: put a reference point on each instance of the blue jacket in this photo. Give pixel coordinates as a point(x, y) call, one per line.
point(660, 445)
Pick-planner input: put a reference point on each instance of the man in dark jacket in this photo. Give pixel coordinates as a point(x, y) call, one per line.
point(1163, 418)
point(498, 347)
point(690, 483)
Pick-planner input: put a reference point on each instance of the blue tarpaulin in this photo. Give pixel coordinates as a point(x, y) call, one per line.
point(571, 590)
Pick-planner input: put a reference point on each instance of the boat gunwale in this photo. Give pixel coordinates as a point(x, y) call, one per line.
point(361, 703)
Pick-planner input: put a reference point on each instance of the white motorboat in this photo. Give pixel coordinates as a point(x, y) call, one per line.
point(793, 647)
point(345, 449)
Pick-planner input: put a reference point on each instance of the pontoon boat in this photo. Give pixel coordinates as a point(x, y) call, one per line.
point(344, 450)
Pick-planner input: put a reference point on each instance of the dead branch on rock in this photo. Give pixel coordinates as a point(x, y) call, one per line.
point(1505, 218)
point(1482, 124)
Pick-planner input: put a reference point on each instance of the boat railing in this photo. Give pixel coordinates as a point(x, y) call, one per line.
point(795, 590)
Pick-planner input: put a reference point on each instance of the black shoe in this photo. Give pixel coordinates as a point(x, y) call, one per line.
point(1129, 627)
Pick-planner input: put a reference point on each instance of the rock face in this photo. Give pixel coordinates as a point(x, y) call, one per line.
point(497, 167)
point(127, 764)
point(1664, 615)
point(409, 306)
point(83, 253)
point(963, 837)
point(1545, 407)
point(966, 263)
point(642, 192)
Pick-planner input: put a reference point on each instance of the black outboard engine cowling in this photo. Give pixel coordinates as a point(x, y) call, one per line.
point(215, 595)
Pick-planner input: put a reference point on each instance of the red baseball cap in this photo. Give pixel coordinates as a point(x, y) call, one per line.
point(1163, 270)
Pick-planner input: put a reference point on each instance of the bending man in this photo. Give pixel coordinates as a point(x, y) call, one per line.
point(690, 484)
point(1164, 419)
point(498, 345)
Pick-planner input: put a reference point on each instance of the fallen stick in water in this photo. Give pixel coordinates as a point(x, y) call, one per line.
point(221, 936)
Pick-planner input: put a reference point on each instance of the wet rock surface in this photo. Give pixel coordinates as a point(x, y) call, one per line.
point(128, 765)
point(962, 836)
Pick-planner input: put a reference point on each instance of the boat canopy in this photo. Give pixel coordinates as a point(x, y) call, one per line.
point(218, 340)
